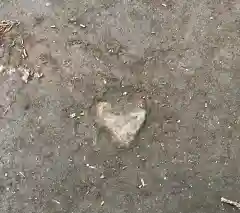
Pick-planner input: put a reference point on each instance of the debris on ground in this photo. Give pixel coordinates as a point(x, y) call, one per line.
point(83, 26)
point(10, 70)
point(56, 201)
point(230, 202)
point(48, 4)
point(2, 68)
point(6, 26)
point(38, 75)
point(72, 20)
point(23, 50)
point(25, 74)
point(90, 166)
point(73, 115)
point(22, 174)
point(124, 127)
point(7, 70)
point(24, 53)
point(143, 184)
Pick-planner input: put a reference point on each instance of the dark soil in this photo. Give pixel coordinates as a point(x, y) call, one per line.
point(180, 57)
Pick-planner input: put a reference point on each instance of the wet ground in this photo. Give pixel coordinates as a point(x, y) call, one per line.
point(180, 57)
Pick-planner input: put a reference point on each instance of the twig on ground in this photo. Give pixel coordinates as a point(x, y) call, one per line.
point(230, 202)
point(24, 53)
point(6, 26)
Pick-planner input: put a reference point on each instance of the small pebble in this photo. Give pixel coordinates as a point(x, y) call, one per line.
point(143, 183)
point(73, 20)
point(83, 26)
point(48, 4)
point(91, 167)
point(2, 68)
point(102, 203)
point(123, 168)
point(73, 115)
point(38, 75)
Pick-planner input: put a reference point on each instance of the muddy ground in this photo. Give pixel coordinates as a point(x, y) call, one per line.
point(180, 57)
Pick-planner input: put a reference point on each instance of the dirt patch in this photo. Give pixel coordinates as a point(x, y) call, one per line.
point(180, 57)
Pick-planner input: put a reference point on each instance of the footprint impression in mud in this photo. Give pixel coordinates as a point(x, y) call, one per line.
point(123, 120)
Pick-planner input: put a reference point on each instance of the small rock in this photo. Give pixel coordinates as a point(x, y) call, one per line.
point(83, 26)
point(73, 115)
point(124, 127)
point(38, 75)
point(72, 20)
point(48, 4)
point(25, 74)
point(24, 53)
point(2, 68)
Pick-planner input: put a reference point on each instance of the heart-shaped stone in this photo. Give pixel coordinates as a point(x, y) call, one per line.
point(123, 126)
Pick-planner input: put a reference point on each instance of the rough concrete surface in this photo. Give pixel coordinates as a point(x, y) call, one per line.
point(181, 58)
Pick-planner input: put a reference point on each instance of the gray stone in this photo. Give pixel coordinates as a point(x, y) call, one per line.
point(123, 126)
